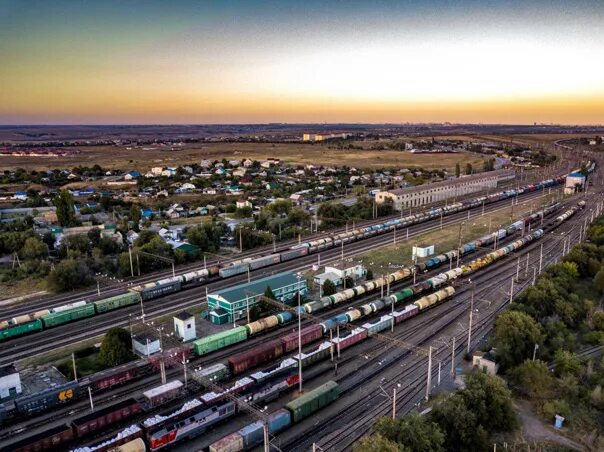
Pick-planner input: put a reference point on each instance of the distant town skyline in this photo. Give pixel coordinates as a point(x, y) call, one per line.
point(157, 62)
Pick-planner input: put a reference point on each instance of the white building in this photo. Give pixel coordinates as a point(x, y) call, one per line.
point(146, 344)
point(440, 191)
point(575, 182)
point(184, 326)
point(157, 170)
point(10, 382)
point(322, 137)
point(244, 203)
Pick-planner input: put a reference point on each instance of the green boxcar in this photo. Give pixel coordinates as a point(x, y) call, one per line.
point(118, 301)
point(314, 400)
point(19, 330)
point(59, 318)
point(219, 340)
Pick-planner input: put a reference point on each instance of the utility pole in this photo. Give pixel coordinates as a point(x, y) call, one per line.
point(240, 240)
point(459, 244)
point(512, 291)
point(470, 319)
point(300, 390)
point(73, 362)
point(518, 269)
point(131, 266)
point(429, 379)
point(540, 258)
point(90, 398)
point(393, 403)
point(528, 255)
point(453, 357)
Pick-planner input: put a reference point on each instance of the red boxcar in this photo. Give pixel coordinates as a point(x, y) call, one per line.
point(308, 334)
point(354, 337)
point(99, 419)
point(113, 377)
point(113, 441)
point(49, 440)
point(258, 355)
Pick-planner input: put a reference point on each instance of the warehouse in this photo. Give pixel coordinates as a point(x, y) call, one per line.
point(235, 300)
point(441, 191)
point(10, 383)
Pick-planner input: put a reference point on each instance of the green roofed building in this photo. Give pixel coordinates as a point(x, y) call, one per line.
point(234, 301)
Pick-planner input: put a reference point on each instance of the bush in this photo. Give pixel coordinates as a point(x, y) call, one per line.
point(550, 408)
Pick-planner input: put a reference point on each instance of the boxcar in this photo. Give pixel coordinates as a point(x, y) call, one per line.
point(264, 261)
point(52, 439)
point(233, 270)
point(162, 394)
point(355, 336)
point(19, 330)
point(215, 372)
point(313, 401)
point(108, 304)
point(229, 443)
point(117, 375)
point(127, 440)
point(293, 254)
point(219, 340)
point(258, 355)
point(59, 318)
point(308, 335)
point(98, 420)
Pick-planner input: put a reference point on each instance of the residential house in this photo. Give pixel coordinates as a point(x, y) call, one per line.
point(247, 163)
point(240, 172)
point(132, 175)
point(131, 236)
point(243, 203)
point(169, 172)
point(157, 170)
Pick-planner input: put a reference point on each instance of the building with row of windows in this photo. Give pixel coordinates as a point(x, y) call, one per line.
point(232, 303)
point(444, 190)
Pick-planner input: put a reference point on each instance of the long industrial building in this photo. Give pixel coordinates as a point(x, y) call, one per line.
point(440, 191)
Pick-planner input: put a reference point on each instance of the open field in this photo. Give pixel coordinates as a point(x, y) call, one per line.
point(145, 157)
point(390, 258)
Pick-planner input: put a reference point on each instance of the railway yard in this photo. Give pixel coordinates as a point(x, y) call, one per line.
point(370, 356)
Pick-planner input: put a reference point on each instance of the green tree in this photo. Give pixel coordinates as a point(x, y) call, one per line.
point(268, 293)
point(68, 275)
point(468, 168)
point(532, 379)
point(516, 334)
point(34, 248)
point(64, 204)
point(567, 363)
point(599, 280)
point(375, 443)
point(369, 275)
point(413, 432)
point(329, 288)
point(115, 348)
point(457, 170)
point(460, 425)
point(135, 216)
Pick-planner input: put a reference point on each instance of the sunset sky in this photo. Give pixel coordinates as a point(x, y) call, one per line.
point(169, 61)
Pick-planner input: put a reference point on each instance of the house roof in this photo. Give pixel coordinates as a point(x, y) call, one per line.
point(257, 287)
point(183, 315)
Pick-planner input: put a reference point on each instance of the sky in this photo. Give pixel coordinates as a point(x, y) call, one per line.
point(200, 61)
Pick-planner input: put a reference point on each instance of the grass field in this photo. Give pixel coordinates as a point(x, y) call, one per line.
point(390, 258)
point(292, 153)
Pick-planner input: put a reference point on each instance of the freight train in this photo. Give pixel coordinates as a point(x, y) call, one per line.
point(253, 434)
point(36, 321)
point(172, 425)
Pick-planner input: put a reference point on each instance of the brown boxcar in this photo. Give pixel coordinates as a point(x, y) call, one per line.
point(99, 419)
point(308, 335)
point(52, 439)
point(258, 355)
point(114, 377)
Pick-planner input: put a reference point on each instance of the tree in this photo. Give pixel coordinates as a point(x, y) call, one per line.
point(64, 204)
point(516, 334)
point(457, 170)
point(375, 443)
point(468, 168)
point(34, 248)
point(369, 275)
point(413, 432)
point(268, 293)
point(567, 363)
point(94, 235)
point(135, 216)
point(329, 288)
point(68, 275)
point(599, 280)
point(532, 379)
point(490, 400)
point(115, 348)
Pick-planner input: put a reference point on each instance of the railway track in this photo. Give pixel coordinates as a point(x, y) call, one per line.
point(39, 342)
point(359, 415)
point(496, 272)
point(10, 311)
